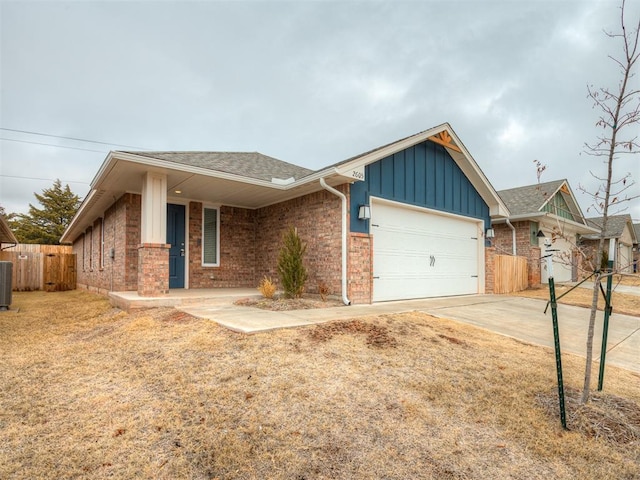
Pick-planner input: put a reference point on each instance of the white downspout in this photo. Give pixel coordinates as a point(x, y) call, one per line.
point(342, 196)
point(513, 237)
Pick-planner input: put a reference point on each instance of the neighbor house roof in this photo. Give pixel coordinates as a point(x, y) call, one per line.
point(535, 202)
point(615, 225)
point(636, 228)
point(531, 198)
point(6, 235)
point(247, 164)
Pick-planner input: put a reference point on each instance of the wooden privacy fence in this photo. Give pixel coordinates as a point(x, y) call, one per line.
point(510, 274)
point(51, 268)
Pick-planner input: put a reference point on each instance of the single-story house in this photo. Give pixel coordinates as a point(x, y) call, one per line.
point(405, 220)
point(620, 231)
point(539, 211)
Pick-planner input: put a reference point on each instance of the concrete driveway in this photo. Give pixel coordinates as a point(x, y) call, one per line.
point(517, 317)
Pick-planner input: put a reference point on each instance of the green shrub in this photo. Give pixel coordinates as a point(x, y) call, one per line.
point(291, 270)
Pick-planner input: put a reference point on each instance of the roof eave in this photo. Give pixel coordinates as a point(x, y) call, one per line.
point(552, 217)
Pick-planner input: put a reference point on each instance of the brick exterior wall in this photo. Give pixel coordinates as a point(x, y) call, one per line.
point(237, 249)
point(489, 269)
point(360, 270)
point(153, 269)
point(250, 242)
point(502, 243)
point(121, 233)
point(317, 218)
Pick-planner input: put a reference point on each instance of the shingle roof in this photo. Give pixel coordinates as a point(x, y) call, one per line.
point(615, 224)
point(529, 199)
point(247, 164)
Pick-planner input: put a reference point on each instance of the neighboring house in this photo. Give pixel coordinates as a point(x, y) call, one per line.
point(539, 211)
point(621, 233)
point(406, 220)
point(7, 238)
point(636, 248)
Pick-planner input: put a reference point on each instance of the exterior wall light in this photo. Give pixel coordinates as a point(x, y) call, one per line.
point(490, 233)
point(364, 212)
point(540, 234)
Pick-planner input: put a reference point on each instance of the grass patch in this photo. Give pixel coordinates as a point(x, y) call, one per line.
point(625, 304)
point(91, 392)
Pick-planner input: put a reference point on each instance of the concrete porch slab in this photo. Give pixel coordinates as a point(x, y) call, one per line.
point(178, 297)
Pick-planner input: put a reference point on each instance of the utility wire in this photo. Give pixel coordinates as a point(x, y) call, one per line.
point(68, 138)
point(51, 145)
point(44, 179)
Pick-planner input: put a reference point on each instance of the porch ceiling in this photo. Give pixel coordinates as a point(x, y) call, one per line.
point(126, 177)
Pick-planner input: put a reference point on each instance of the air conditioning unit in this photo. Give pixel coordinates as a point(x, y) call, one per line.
point(6, 270)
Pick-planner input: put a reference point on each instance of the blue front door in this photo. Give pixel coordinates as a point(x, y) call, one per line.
point(175, 237)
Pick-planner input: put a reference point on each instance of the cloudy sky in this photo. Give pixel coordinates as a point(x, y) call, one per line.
point(308, 82)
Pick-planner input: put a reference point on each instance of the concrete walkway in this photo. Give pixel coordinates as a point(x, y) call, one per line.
point(517, 317)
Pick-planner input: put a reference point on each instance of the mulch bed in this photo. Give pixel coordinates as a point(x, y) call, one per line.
point(280, 303)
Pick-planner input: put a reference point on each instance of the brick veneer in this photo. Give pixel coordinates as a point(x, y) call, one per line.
point(237, 249)
point(153, 269)
point(317, 218)
point(360, 274)
point(121, 233)
point(489, 269)
point(250, 242)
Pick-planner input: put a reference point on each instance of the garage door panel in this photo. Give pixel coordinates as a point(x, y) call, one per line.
point(423, 287)
point(419, 254)
point(562, 268)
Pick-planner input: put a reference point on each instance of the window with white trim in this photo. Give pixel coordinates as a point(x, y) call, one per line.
point(210, 237)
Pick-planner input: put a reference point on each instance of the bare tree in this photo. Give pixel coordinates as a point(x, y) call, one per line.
point(620, 109)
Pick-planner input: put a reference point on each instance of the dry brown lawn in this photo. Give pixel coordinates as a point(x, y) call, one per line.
point(622, 303)
point(90, 392)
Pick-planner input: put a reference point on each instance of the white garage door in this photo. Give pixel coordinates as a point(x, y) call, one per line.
point(562, 261)
point(418, 254)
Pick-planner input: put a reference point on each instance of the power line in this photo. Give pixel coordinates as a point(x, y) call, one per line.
point(51, 145)
point(69, 138)
point(43, 179)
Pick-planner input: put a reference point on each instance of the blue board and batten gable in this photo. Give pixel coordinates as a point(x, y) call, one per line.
point(423, 175)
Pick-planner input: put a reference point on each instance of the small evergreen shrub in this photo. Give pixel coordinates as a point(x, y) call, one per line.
point(267, 288)
point(291, 270)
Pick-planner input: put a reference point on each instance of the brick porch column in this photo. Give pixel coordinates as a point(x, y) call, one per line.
point(489, 269)
point(153, 269)
point(360, 273)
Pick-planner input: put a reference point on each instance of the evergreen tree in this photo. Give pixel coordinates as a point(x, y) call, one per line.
point(47, 224)
point(292, 272)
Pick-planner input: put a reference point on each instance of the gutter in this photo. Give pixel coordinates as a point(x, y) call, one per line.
point(342, 196)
